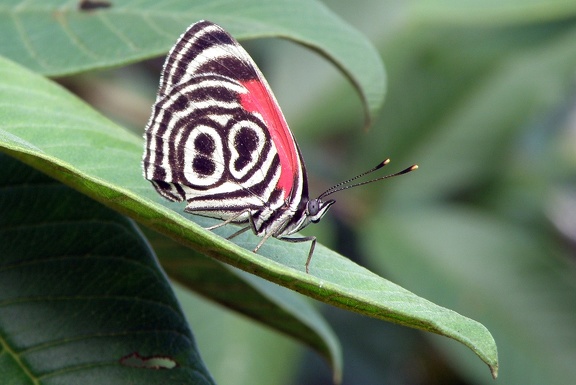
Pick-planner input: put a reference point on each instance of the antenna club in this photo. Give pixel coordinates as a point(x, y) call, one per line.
point(406, 170)
point(381, 164)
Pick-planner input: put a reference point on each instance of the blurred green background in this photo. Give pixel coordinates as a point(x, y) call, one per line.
point(482, 96)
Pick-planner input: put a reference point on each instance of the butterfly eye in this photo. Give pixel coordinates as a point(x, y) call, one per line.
point(313, 207)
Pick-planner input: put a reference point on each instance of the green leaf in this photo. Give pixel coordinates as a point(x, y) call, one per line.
point(495, 270)
point(73, 306)
point(55, 37)
point(51, 130)
point(237, 350)
point(259, 299)
point(81, 137)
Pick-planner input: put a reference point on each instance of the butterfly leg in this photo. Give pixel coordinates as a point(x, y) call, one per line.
point(293, 240)
point(242, 230)
point(266, 236)
point(233, 219)
point(264, 239)
point(312, 246)
point(226, 222)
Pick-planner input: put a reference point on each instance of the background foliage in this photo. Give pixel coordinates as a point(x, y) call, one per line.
point(481, 96)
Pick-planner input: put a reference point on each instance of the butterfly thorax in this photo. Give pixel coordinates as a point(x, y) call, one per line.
point(287, 221)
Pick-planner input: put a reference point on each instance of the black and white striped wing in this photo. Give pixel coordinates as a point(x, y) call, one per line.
point(217, 138)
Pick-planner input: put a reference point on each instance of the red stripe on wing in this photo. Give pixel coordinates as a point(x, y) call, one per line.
point(259, 100)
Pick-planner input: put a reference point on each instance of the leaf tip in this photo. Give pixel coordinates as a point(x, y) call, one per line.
point(494, 371)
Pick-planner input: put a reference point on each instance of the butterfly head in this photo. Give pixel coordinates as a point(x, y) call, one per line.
point(316, 208)
point(310, 211)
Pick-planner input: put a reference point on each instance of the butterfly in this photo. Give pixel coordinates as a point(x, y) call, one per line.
point(218, 140)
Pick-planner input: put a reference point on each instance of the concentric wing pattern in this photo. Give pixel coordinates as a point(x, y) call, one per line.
point(217, 138)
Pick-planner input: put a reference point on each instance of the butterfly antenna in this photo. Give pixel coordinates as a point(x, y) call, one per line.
point(345, 185)
point(335, 187)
